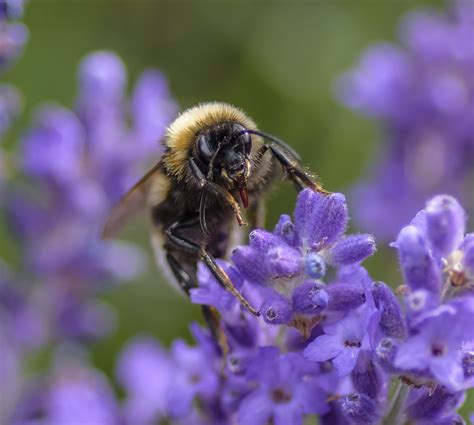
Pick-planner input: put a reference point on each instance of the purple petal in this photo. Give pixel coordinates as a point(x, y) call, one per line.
point(414, 354)
point(419, 268)
point(255, 409)
point(352, 249)
point(392, 321)
point(346, 360)
point(448, 371)
point(320, 220)
point(324, 347)
point(446, 221)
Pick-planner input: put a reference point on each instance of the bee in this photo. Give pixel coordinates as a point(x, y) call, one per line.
point(215, 163)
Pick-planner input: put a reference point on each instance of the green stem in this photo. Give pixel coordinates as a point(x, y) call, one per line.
point(395, 415)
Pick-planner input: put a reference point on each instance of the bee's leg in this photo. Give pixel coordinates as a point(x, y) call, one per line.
point(204, 182)
point(185, 281)
point(210, 314)
point(213, 321)
point(215, 269)
point(301, 177)
point(257, 214)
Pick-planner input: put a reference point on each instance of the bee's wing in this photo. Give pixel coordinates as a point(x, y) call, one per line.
point(131, 203)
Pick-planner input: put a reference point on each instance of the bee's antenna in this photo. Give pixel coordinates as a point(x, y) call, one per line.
point(268, 137)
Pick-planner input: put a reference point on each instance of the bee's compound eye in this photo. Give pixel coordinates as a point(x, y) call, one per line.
point(205, 148)
point(244, 138)
point(247, 142)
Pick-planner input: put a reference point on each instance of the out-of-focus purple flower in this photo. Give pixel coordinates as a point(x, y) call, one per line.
point(425, 406)
point(11, 9)
point(435, 254)
point(435, 349)
point(146, 371)
point(152, 108)
point(281, 390)
point(422, 94)
point(195, 376)
point(12, 40)
point(79, 162)
point(73, 392)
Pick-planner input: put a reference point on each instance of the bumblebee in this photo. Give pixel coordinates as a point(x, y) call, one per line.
point(215, 162)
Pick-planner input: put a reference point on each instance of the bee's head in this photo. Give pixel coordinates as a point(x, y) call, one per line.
point(223, 151)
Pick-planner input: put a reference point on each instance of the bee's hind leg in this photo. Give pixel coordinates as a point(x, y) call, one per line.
point(210, 314)
point(216, 270)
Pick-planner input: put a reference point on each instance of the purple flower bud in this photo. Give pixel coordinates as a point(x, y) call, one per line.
point(345, 296)
point(53, 149)
point(419, 268)
point(468, 363)
point(320, 220)
point(352, 249)
point(315, 267)
point(12, 40)
point(391, 322)
point(153, 108)
point(11, 9)
point(368, 378)
point(446, 222)
point(310, 298)
point(283, 261)
point(359, 409)
point(102, 75)
point(385, 353)
point(286, 230)
point(425, 404)
point(276, 309)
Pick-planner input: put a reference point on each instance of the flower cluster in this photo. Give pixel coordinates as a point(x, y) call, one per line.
point(12, 39)
point(74, 165)
point(13, 35)
point(77, 164)
point(331, 348)
point(422, 94)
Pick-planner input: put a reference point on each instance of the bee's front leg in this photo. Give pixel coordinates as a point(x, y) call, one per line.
point(204, 183)
point(209, 260)
point(301, 177)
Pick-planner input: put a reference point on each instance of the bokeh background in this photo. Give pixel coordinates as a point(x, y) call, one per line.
point(277, 60)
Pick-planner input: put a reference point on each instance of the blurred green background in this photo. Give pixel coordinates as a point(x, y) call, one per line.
point(275, 59)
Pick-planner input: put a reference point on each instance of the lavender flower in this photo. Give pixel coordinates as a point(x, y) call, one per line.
point(287, 266)
point(421, 93)
point(282, 393)
point(81, 162)
point(13, 36)
point(146, 371)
